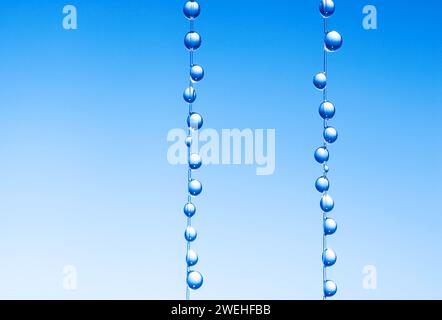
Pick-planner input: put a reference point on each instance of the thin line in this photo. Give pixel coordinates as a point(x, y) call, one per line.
point(325, 61)
point(189, 172)
point(324, 236)
point(187, 267)
point(324, 245)
point(187, 291)
point(190, 79)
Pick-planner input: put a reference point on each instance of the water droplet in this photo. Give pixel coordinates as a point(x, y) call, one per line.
point(333, 41)
point(326, 168)
point(327, 8)
point(327, 110)
point(189, 95)
point(192, 10)
point(194, 280)
point(322, 184)
point(195, 161)
point(195, 187)
point(330, 288)
point(189, 210)
point(330, 226)
point(190, 234)
point(330, 134)
point(327, 203)
point(321, 155)
point(188, 141)
point(196, 73)
point(320, 81)
point(329, 257)
point(195, 121)
point(191, 258)
point(192, 40)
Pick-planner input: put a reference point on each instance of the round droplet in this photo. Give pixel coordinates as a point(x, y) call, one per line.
point(320, 81)
point(327, 8)
point(192, 10)
point(195, 187)
point(195, 161)
point(196, 73)
point(191, 258)
point(188, 141)
point(330, 226)
point(330, 288)
point(189, 95)
point(327, 203)
point(192, 40)
point(321, 155)
point(333, 41)
point(330, 134)
point(326, 168)
point(329, 257)
point(190, 234)
point(327, 110)
point(195, 121)
point(189, 210)
point(194, 280)
point(322, 184)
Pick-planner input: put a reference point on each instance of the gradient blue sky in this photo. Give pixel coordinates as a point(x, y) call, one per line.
point(84, 178)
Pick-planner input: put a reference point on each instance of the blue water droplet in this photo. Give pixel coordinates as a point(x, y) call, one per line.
point(326, 168)
point(327, 203)
point(195, 161)
point(330, 226)
point(333, 41)
point(189, 95)
point(196, 73)
point(192, 10)
point(320, 81)
point(195, 187)
point(330, 288)
point(191, 258)
point(327, 110)
point(321, 155)
point(330, 134)
point(194, 280)
point(327, 8)
point(189, 210)
point(195, 121)
point(322, 184)
point(329, 257)
point(189, 141)
point(192, 40)
point(190, 234)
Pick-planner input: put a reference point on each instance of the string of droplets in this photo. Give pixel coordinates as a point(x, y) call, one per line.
point(332, 42)
point(192, 41)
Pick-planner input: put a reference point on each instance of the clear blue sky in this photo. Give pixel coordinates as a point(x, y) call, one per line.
point(84, 179)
